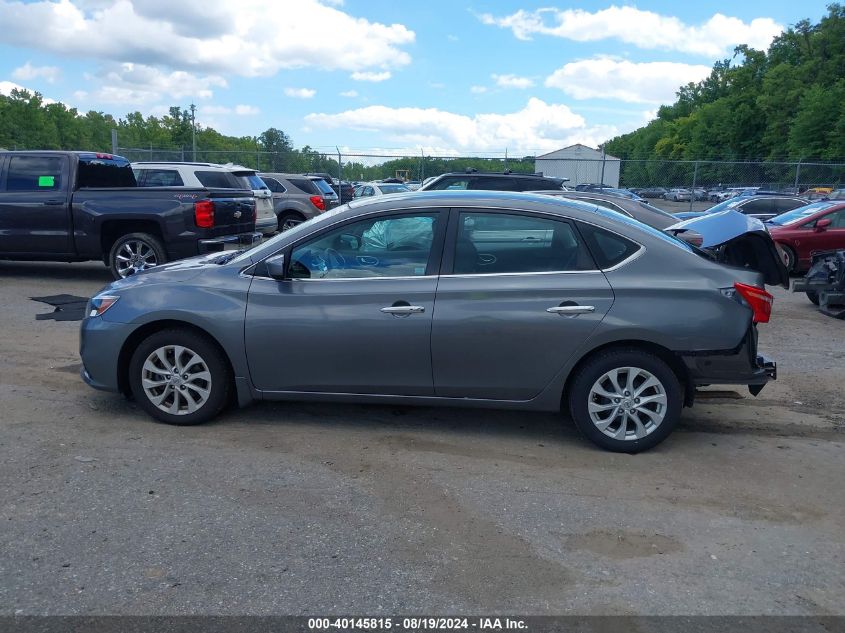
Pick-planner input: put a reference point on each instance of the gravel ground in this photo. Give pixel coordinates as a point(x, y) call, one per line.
point(314, 509)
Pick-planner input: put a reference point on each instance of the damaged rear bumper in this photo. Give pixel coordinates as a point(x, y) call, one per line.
point(739, 366)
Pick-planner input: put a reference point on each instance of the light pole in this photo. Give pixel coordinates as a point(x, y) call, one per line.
point(193, 132)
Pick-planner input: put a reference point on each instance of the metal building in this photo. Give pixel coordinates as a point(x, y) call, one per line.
point(581, 164)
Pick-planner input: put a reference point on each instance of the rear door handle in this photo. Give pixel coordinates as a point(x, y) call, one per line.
point(53, 203)
point(403, 310)
point(565, 310)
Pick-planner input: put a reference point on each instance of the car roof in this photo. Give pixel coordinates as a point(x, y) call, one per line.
point(497, 174)
point(212, 166)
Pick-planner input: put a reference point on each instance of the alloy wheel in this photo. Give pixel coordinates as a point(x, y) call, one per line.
point(627, 403)
point(134, 256)
point(176, 379)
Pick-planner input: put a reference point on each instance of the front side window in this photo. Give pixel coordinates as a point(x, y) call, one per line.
point(392, 246)
point(494, 184)
point(497, 243)
point(837, 219)
point(450, 184)
point(34, 173)
point(758, 205)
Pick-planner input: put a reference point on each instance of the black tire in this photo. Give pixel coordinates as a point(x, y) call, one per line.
point(289, 216)
point(594, 368)
point(210, 355)
point(149, 245)
point(790, 258)
point(813, 296)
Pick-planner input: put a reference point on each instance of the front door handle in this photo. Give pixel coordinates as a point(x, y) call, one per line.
point(403, 310)
point(53, 202)
point(566, 310)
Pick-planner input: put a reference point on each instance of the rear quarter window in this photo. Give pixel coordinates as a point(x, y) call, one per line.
point(305, 185)
point(607, 248)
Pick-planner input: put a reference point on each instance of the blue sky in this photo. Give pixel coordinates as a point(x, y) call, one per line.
point(392, 77)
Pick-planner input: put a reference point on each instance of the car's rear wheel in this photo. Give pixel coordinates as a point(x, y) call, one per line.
point(813, 296)
point(135, 252)
point(179, 377)
point(625, 400)
point(289, 219)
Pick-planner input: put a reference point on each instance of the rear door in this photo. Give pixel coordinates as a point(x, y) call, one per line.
point(35, 205)
point(518, 294)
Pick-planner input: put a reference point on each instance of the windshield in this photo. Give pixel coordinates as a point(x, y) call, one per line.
point(801, 213)
point(322, 185)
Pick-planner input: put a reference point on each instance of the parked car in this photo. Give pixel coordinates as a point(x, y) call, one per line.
point(818, 226)
point(817, 193)
point(81, 206)
point(296, 198)
point(330, 196)
point(677, 195)
point(699, 194)
point(591, 186)
point(413, 185)
point(371, 189)
point(179, 174)
point(726, 194)
point(652, 192)
point(474, 180)
point(836, 194)
point(342, 188)
point(761, 206)
point(621, 345)
point(637, 209)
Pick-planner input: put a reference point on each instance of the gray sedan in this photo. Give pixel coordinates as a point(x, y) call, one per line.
point(477, 298)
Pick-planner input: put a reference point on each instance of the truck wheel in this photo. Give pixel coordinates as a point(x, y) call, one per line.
point(289, 219)
point(625, 400)
point(179, 377)
point(135, 252)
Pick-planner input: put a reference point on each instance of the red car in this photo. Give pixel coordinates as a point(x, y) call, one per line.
point(819, 226)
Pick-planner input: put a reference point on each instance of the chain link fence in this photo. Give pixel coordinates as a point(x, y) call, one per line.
point(791, 177)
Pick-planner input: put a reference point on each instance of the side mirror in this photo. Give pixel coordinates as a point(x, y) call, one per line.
point(276, 267)
point(822, 225)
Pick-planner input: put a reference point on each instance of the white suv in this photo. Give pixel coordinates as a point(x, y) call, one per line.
point(152, 174)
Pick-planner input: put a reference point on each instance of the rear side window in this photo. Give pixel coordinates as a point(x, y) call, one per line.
point(34, 173)
point(608, 249)
point(450, 184)
point(759, 205)
point(160, 178)
point(104, 170)
point(496, 243)
point(305, 184)
point(219, 180)
point(494, 184)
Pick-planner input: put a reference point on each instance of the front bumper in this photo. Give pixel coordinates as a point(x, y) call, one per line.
point(100, 342)
point(226, 242)
point(739, 366)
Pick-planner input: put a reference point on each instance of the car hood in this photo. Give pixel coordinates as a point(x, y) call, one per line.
point(738, 240)
point(178, 271)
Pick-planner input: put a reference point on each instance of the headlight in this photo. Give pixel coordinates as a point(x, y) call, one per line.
point(101, 303)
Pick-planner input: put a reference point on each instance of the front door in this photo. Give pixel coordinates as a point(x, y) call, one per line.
point(34, 205)
point(353, 314)
point(522, 296)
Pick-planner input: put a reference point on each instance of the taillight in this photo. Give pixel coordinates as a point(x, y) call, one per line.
point(758, 300)
point(204, 213)
point(318, 202)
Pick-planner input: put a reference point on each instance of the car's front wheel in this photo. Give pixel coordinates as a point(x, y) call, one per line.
point(790, 260)
point(179, 377)
point(625, 400)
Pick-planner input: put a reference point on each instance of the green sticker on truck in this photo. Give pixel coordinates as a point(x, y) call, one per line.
point(46, 181)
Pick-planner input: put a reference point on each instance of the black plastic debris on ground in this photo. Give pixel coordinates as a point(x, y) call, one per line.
point(68, 307)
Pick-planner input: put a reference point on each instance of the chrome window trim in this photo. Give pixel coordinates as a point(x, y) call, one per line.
point(542, 272)
point(401, 277)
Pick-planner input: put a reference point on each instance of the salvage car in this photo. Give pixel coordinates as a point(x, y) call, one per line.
point(818, 226)
point(542, 304)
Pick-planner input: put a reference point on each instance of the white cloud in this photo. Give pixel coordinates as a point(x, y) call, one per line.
point(644, 29)
point(247, 38)
point(371, 76)
point(6, 88)
point(349, 93)
point(538, 126)
point(27, 72)
point(512, 81)
point(610, 78)
point(240, 110)
point(133, 84)
point(477, 90)
point(300, 93)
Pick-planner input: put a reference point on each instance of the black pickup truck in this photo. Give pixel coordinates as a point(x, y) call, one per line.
point(80, 206)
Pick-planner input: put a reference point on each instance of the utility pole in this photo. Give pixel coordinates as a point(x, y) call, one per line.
point(603, 161)
point(194, 132)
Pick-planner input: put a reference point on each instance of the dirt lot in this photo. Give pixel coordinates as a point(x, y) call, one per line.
point(309, 509)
